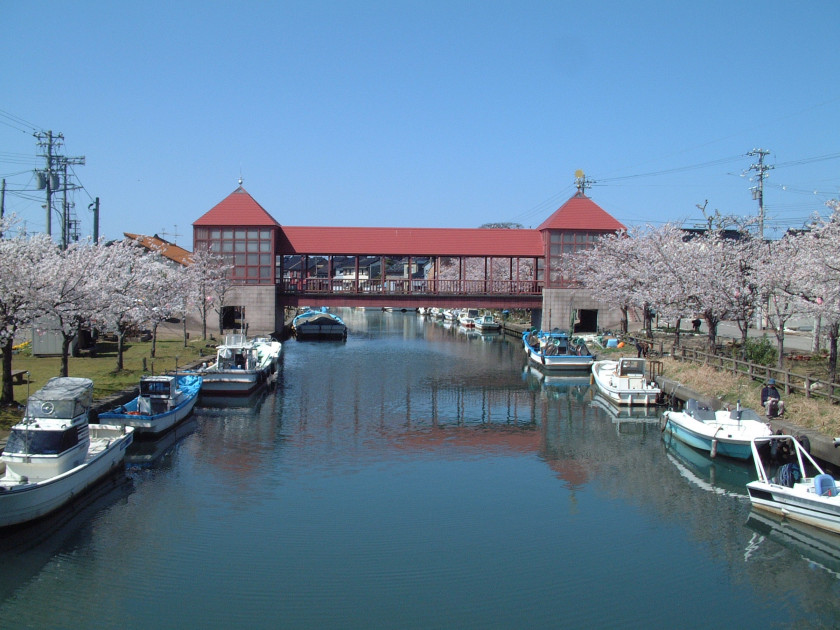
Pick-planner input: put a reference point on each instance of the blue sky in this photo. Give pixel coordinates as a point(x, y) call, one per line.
point(422, 114)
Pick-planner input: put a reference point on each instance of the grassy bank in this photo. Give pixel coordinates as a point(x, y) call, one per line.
point(106, 382)
point(811, 413)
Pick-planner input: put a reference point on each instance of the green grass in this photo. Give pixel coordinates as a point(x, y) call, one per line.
point(101, 368)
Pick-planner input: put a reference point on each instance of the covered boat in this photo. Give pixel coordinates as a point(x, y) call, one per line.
point(53, 454)
point(318, 325)
point(242, 366)
point(728, 432)
point(555, 350)
point(800, 489)
point(626, 381)
point(162, 403)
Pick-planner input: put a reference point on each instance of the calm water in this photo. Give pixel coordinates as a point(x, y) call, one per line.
point(417, 477)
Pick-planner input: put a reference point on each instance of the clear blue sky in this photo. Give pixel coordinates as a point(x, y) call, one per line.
point(424, 113)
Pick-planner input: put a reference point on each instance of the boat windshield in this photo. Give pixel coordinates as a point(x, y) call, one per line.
point(35, 441)
point(155, 387)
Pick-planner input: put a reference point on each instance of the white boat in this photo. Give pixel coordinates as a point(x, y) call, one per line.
point(556, 351)
point(53, 454)
point(800, 490)
point(318, 325)
point(451, 314)
point(723, 432)
point(487, 323)
point(467, 317)
point(162, 403)
point(625, 382)
point(242, 366)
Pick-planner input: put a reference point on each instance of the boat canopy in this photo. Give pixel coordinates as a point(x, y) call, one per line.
point(62, 398)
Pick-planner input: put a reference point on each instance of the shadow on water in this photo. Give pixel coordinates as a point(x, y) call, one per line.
point(25, 549)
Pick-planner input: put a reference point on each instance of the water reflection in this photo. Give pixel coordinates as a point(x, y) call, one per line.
point(721, 475)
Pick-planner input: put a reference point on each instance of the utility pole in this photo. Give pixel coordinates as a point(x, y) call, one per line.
point(95, 208)
point(758, 191)
point(582, 183)
point(49, 178)
point(2, 202)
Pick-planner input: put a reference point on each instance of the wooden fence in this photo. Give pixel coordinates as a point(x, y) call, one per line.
point(809, 386)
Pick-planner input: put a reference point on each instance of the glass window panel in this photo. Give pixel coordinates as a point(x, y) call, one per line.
point(568, 248)
point(556, 236)
point(265, 259)
point(265, 246)
point(265, 234)
point(239, 260)
point(227, 234)
point(555, 249)
point(253, 259)
point(239, 246)
point(215, 234)
point(251, 272)
point(200, 233)
point(253, 246)
point(227, 246)
point(239, 234)
point(265, 272)
point(568, 237)
point(214, 246)
point(253, 234)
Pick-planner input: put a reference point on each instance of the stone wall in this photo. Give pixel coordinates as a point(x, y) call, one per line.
point(559, 303)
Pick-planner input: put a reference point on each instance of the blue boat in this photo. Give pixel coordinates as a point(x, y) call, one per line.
point(162, 403)
point(556, 351)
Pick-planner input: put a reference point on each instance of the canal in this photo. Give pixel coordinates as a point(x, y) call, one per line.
point(418, 477)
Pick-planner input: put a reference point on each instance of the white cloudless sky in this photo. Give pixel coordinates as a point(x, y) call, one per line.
point(422, 113)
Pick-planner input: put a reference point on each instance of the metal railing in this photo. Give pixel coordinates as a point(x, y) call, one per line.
point(412, 286)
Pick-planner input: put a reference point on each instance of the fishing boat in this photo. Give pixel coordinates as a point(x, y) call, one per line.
point(162, 403)
point(53, 453)
point(241, 367)
point(487, 323)
point(555, 350)
point(319, 325)
point(626, 381)
point(728, 432)
point(800, 490)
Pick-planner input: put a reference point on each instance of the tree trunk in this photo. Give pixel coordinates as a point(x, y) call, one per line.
point(8, 395)
point(154, 339)
point(624, 323)
point(712, 323)
point(677, 333)
point(815, 346)
point(780, 345)
point(120, 347)
point(832, 351)
point(65, 354)
point(185, 328)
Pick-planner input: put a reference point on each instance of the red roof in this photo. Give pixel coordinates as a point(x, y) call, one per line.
point(357, 241)
point(238, 208)
point(581, 213)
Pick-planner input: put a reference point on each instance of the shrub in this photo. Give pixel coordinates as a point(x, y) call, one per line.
point(761, 351)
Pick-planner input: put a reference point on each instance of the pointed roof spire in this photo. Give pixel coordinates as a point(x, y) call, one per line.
point(581, 213)
point(238, 208)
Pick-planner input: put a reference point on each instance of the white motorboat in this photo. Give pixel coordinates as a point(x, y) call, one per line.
point(162, 403)
point(467, 317)
point(242, 366)
point(626, 381)
point(800, 490)
point(556, 351)
point(487, 323)
point(728, 432)
point(53, 454)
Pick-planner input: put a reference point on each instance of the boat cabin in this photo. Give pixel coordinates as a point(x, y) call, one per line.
point(157, 394)
point(54, 430)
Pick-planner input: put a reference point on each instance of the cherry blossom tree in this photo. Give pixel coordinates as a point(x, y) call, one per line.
point(209, 277)
point(66, 302)
point(21, 284)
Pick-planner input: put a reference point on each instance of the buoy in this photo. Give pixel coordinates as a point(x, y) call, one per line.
point(620, 344)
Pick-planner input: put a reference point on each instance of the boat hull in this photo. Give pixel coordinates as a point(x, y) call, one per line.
point(233, 382)
point(817, 511)
point(23, 502)
point(553, 363)
point(706, 437)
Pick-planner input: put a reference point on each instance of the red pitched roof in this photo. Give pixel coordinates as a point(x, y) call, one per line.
point(238, 208)
point(352, 241)
point(581, 213)
point(166, 249)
